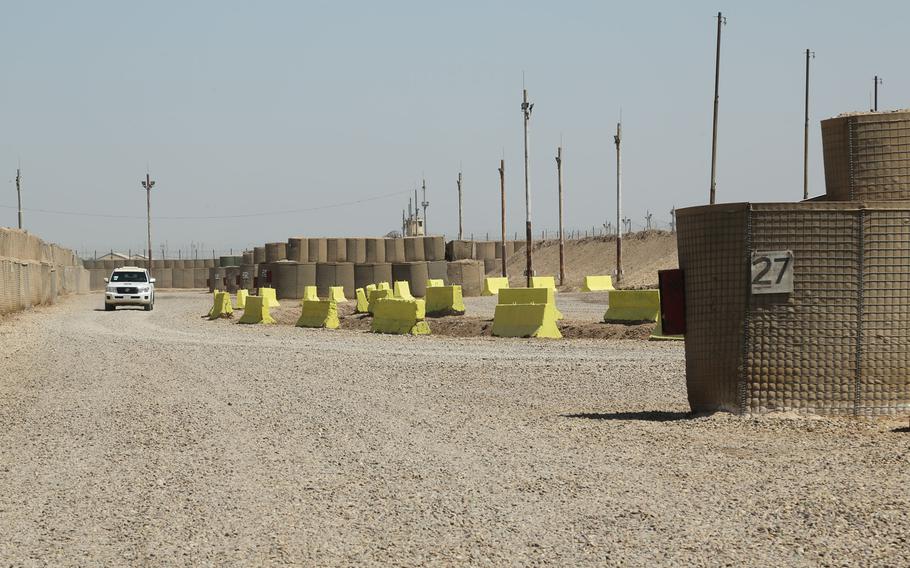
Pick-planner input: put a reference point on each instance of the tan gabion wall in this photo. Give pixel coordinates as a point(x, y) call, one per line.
point(838, 344)
point(867, 156)
point(33, 272)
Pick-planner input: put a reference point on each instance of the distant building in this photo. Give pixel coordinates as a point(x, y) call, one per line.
point(114, 255)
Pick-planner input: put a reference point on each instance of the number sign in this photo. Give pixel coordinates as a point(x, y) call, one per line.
point(772, 272)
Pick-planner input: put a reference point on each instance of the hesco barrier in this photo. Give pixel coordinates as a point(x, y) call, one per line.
point(275, 252)
point(485, 250)
point(298, 250)
point(336, 250)
point(394, 250)
point(414, 273)
point(375, 250)
point(164, 277)
point(357, 250)
point(434, 248)
point(867, 156)
point(460, 250)
point(413, 249)
point(232, 277)
point(438, 270)
point(444, 301)
point(258, 255)
point(316, 250)
point(491, 265)
point(836, 344)
point(468, 274)
point(247, 274)
point(330, 274)
point(216, 279)
point(291, 279)
point(366, 274)
point(246, 258)
point(319, 313)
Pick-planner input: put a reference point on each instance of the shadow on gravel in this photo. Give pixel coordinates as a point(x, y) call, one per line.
point(903, 430)
point(648, 415)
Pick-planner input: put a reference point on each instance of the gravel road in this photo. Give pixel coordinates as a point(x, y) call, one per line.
point(134, 438)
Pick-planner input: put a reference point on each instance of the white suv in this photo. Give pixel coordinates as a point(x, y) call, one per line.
point(129, 286)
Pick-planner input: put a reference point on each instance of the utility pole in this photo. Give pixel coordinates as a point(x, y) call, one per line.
point(460, 211)
point(502, 193)
point(19, 194)
point(425, 203)
point(148, 184)
point(526, 108)
point(878, 81)
point(404, 224)
point(648, 216)
point(673, 219)
point(618, 141)
point(720, 22)
point(809, 54)
point(562, 242)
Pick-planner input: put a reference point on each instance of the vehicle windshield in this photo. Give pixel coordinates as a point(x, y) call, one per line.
point(128, 277)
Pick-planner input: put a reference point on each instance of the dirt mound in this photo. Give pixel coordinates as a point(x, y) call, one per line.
point(643, 254)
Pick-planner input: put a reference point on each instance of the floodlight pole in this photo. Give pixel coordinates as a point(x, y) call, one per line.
point(526, 108)
point(502, 193)
point(19, 194)
point(562, 241)
point(425, 204)
point(720, 21)
point(148, 184)
point(618, 141)
point(809, 54)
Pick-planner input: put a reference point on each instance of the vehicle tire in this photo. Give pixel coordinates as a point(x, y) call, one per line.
point(109, 307)
point(149, 307)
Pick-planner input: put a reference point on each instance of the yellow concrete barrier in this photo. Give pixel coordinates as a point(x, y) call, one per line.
point(337, 293)
point(377, 295)
point(310, 293)
point(269, 298)
point(444, 301)
point(363, 305)
point(319, 313)
point(543, 282)
point(658, 333)
point(403, 290)
point(530, 296)
point(221, 306)
point(525, 320)
point(598, 284)
point(256, 311)
point(369, 288)
point(241, 298)
point(435, 282)
point(493, 284)
point(383, 286)
point(399, 316)
point(633, 306)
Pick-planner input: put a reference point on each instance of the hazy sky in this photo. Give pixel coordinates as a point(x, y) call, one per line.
point(260, 107)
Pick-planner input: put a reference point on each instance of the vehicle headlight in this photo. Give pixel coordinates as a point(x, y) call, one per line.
point(143, 288)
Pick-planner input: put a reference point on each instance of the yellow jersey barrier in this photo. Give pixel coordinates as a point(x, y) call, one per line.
point(256, 311)
point(309, 293)
point(435, 283)
point(363, 305)
point(399, 316)
point(221, 306)
point(598, 284)
point(403, 290)
point(543, 282)
point(377, 295)
point(493, 284)
point(525, 320)
point(337, 293)
point(658, 333)
point(633, 306)
point(269, 298)
point(319, 313)
point(369, 288)
point(444, 301)
point(241, 298)
point(530, 296)
point(383, 286)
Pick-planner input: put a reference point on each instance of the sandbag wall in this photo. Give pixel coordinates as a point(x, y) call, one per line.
point(33, 272)
point(837, 344)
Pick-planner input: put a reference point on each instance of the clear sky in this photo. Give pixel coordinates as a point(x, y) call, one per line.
point(262, 107)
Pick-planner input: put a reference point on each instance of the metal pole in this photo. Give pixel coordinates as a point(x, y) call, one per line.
point(502, 192)
point(460, 211)
point(877, 83)
point(618, 141)
point(806, 133)
point(720, 21)
point(19, 194)
point(148, 184)
point(526, 109)
point(562, 240)
point(425, 203)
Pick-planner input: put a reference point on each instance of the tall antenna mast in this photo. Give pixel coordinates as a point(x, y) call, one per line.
point(460, 211)
point(502, 192)
point(721, 20)
point(562, 242)
point(878, 81)
point(19, 193)
point(809, 54)
point(425, 204)
point(618, 141)
point(148, 184)
point(526, 108)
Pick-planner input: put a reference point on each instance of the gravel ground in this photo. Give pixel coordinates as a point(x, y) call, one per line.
point(134, 438)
